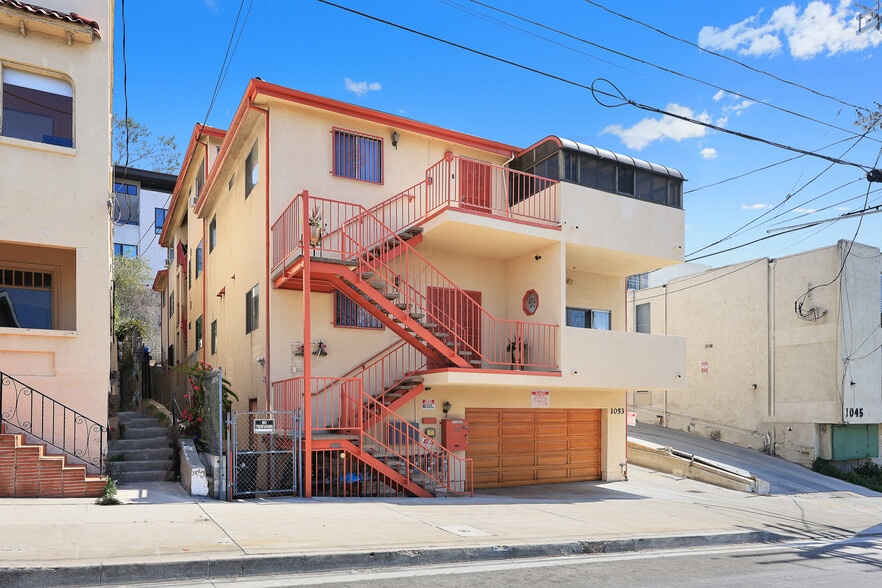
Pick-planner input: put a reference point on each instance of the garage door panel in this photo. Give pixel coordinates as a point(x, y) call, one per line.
point(518, 431)
point(517, 416)
point(517, 475)
point(582, 443)
point(517, 446)
point(551, 459)
point(544, 416)
point(527, 446)
point(517, 461)
point(486, 448)
point(551, 430)
point(546, 445)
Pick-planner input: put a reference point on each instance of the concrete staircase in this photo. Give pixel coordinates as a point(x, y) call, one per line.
point(145, 452)
point(29, 471)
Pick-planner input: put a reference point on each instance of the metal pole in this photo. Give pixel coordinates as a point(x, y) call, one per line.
point(307, 348)
point(220, 431)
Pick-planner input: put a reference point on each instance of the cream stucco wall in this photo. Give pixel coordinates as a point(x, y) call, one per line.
point(755, 368)
point(48, 204)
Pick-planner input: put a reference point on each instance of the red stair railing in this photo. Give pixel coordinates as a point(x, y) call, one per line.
point(337, 409)
point(424, 460)
point(453, 182)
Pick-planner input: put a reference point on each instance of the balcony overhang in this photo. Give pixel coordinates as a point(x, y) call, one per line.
point(472, 233)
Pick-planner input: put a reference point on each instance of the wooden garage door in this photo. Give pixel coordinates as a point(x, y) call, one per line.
point(511, 447)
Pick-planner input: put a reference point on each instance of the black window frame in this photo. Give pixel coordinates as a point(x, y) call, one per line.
point(349, 315)
point(252, 309)
point(157, 226)
point(589, 317)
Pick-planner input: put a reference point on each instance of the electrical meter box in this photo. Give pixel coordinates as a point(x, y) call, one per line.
point(455, 434)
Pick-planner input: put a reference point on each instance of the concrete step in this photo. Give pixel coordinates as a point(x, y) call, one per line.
point(146, 423)
point(132, 416)
point(133, 477)
point(134, 444)
point(145, 433)
point(131, 467)
point(166, 452)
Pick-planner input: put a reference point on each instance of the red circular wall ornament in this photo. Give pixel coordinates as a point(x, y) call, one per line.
point(531, 302)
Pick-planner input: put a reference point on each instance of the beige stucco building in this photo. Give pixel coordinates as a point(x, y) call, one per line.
point(783, 354)
point(55, 291)
point(445, 280)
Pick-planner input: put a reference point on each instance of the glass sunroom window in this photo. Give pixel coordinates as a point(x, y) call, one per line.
point(37, 108)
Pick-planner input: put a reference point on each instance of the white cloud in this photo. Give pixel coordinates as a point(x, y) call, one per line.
point(805, 210)
point(755, 206)
point(719, 95)
point(361, 88)
point(649, 130)
point(820, 27)
point(709, 153)
point(738, 107)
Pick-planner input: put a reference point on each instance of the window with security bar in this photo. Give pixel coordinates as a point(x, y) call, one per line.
point(349, 314)
point(358, 156)
point(25, 299)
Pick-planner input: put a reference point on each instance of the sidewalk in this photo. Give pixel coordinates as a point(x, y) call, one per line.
point(160, 533)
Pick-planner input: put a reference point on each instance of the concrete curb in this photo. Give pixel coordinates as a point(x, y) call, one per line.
point(101, 574)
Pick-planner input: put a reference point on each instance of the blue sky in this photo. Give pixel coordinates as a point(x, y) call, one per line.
point(175, 51)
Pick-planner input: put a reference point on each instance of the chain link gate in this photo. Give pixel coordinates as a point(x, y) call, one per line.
point(265, 454)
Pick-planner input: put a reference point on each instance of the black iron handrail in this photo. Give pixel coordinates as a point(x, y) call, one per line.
point(34, 413)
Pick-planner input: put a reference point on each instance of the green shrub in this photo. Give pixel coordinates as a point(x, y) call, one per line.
point(109, 497)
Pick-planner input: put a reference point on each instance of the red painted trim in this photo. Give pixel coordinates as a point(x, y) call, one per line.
point(198, 131)
point(266, 262)
point(539, 142)
point(204, 262)
point(307, 365)
point(160, 280)
point(527, 311)
point(400, 123)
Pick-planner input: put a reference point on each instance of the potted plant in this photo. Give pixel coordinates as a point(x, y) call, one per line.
point(317, 226)
point(518, 349)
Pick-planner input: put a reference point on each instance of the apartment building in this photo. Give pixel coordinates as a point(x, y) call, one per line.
point(140, 204)
point(783, 354)
point(55, 247)
point(442, 311)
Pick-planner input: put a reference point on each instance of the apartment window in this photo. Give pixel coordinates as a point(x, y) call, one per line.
point(587, 318)
point(212, 234)
point(358, 156)
point(642, 319)
point(349, 314)
point(126, 204)
point(125, 250)
point(199, 259)
point(214, 336)
point(37, 108)
point(199, 333)
point(25, 299)
point(189, 273)
point(159, 219)
point(252, 309)
point(251, 172)
point(171, 304)
point(200, 181)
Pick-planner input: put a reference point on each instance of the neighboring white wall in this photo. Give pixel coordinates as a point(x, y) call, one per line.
point(143, 234)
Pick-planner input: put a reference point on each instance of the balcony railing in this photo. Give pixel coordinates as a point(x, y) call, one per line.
point(452, 183)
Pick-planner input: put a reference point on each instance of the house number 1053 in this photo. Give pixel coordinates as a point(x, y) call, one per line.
point(617, 411)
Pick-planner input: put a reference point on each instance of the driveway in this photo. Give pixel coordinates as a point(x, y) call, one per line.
point(783, 476)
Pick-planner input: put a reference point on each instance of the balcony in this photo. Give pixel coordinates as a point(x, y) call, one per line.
point(594, 358)
point(616, 235)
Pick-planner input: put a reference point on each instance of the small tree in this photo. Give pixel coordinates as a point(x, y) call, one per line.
point(156, 153)
point(135, 305)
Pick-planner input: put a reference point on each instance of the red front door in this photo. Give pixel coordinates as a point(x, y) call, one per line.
point(459, 315)
point(474, 185)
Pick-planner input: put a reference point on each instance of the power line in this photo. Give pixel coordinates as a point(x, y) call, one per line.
point(742, 64)
point(217, 84)
point(649, 63)
point(592, 88)
point(668, 293)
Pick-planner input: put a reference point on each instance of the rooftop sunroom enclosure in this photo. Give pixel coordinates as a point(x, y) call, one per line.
point(577, 163)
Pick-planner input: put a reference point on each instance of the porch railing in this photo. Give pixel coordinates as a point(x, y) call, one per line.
point(27, 410)
point(454, 182)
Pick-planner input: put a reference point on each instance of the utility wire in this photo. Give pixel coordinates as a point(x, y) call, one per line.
point(593, 89)
point(759, 169)
point(735, 61)
point(659, 67)
point(217, 84)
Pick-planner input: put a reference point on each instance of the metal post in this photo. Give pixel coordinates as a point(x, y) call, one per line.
point(221, 489)
point(307, 346)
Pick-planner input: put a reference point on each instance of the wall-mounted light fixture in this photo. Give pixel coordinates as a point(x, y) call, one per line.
point(446, 408)
point(395, 137)
point(261, 360)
